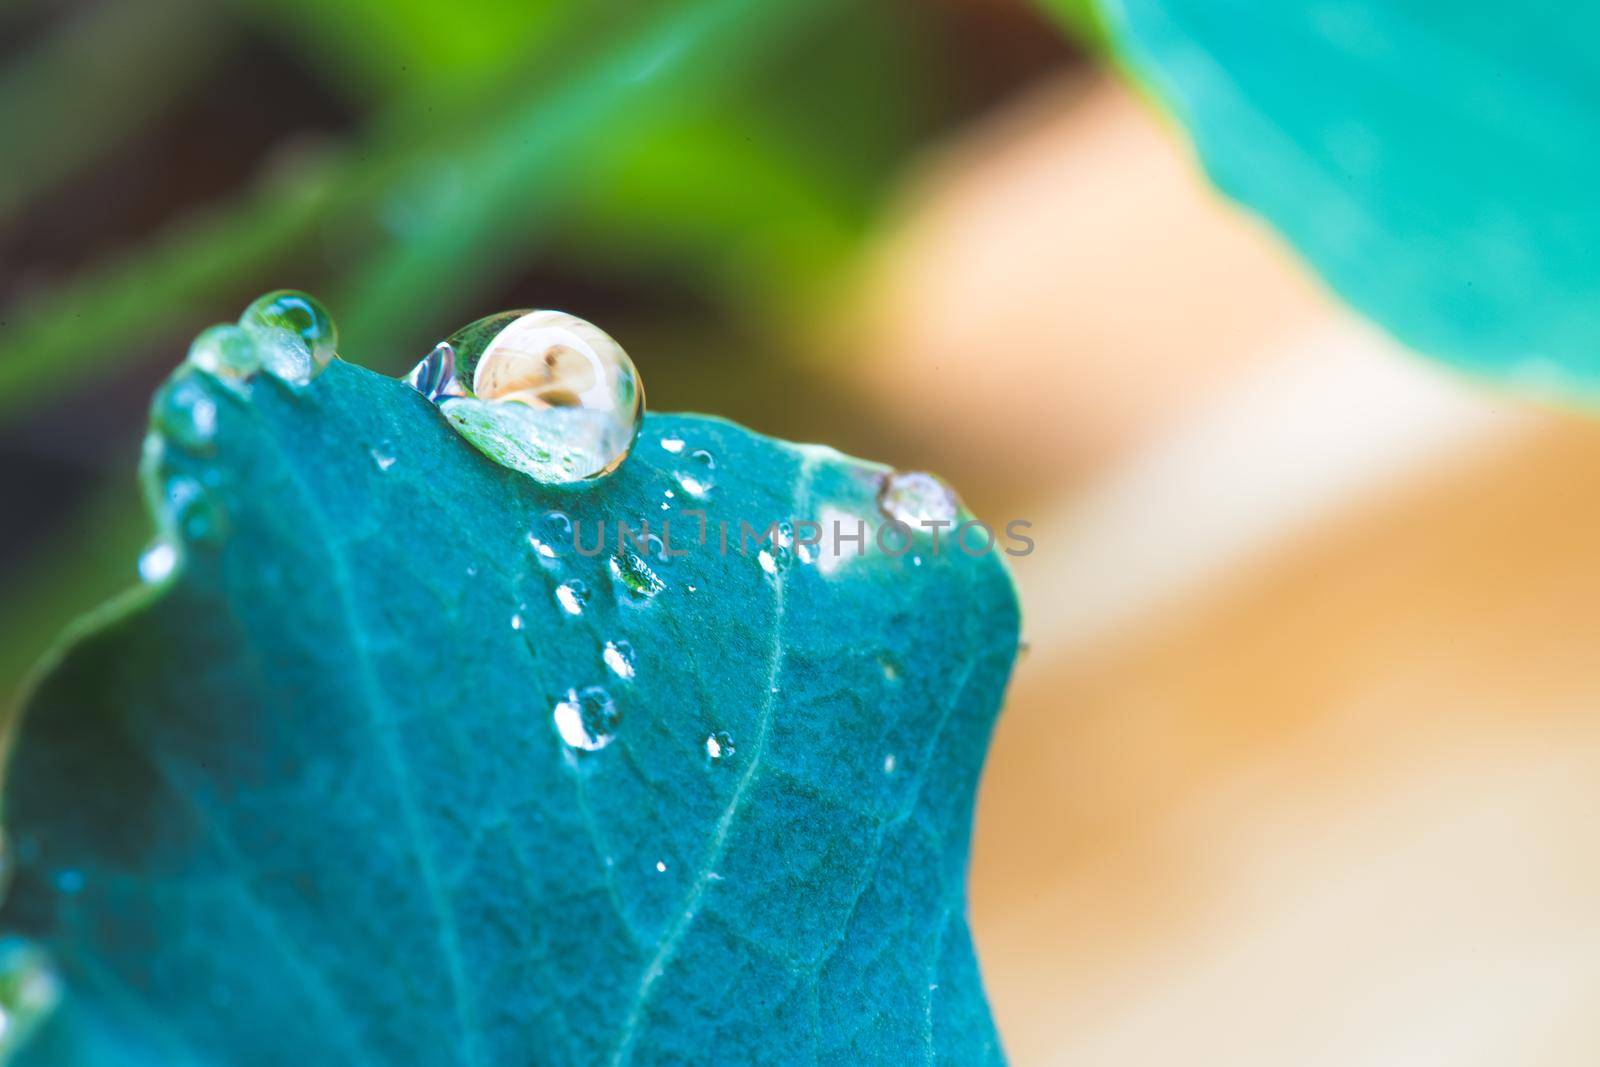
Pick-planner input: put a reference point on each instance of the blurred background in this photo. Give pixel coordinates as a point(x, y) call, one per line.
point(1299, 766)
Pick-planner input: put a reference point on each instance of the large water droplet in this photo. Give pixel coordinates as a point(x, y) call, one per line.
point(587, 718)
point(29, 992)
point(635, 575)
point(226, 351)
point(294, 334)
point(916, 497)
point(542, 392)
point(618, 656)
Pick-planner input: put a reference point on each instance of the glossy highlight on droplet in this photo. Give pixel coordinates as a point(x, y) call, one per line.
point(551, 536)
point(541, 392)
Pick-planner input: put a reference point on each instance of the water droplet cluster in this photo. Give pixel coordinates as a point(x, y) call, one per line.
point(289, 334)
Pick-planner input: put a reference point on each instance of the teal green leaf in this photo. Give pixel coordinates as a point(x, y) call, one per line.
point(1436, 163)
point(306, 800)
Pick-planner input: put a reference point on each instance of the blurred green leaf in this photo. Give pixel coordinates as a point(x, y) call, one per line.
point(1437, 163)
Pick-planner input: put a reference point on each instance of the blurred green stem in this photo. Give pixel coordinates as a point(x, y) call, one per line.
point(506, 184)
point(94, 83)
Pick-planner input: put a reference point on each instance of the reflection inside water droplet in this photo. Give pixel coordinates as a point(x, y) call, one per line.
point(383, 455)
point(542, 392)
point(916, 497)
point(587, 719)
point(551, 536)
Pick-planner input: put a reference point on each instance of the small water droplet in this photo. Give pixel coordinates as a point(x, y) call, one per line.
point(542, 392)
point(719, 746)
point(777, 552)
point(891, 669)
point(587, 719)
point(383, 455)
point(294, 334)
point(158, 562)
point(29, 992)
point(635, 575)
point(193, 512)
point(916, 497)
point(618, 656)
point(516, 621)
point(551, 536)
point(661, 866)
point(225, 351)
point(672, 444)
point(696, 475)
point(572, 595)
point(888, 764)
point(186, 414)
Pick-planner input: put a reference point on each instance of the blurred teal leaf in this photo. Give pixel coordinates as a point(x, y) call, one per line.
point(1435, 162)
point(306, 801)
